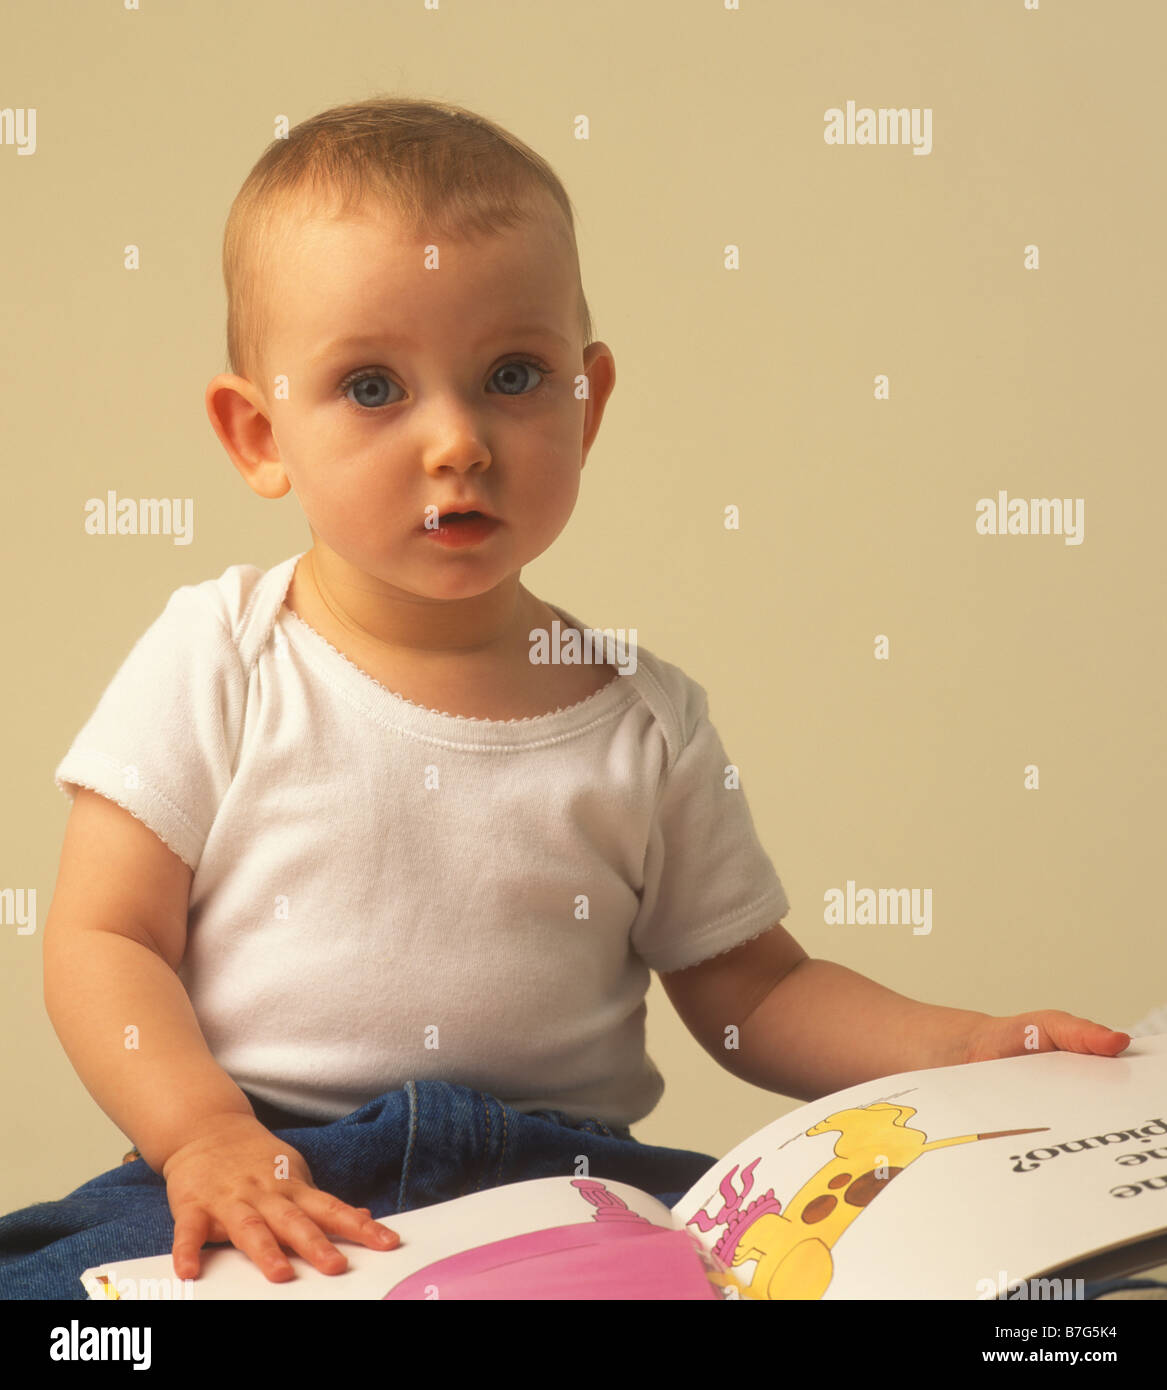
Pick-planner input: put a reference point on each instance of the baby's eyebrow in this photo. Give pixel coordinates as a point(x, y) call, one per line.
point(376, 340)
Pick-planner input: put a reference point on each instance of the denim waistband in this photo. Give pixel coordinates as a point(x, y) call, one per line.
point(273, 1117)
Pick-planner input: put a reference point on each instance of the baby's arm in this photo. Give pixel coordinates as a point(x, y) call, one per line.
point(807, 1028)
point(115, 934)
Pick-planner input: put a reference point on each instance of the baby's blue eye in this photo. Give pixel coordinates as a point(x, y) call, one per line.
point(371, 386)
point(368, 386)
point(512, 367)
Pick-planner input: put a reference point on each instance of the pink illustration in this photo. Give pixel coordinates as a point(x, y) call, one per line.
point(618, 1254)
point(736, 1213)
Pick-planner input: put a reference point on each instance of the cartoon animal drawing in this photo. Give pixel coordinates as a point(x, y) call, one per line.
point(792, 1244)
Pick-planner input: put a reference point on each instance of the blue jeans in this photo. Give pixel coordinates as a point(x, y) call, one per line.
point(429, 1142)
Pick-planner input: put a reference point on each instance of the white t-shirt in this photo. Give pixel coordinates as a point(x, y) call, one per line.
point(383, 892)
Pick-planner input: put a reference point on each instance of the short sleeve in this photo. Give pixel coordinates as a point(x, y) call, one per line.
point(708, 883)
point(162, 740)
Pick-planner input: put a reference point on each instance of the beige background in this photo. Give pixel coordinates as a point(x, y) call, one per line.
point(751, 387)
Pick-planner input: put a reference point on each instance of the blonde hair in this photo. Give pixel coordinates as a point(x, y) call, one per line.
point(443, 169)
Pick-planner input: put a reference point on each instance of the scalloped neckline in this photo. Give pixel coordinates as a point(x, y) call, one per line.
point(445, 714)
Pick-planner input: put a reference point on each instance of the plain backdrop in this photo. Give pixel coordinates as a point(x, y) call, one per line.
point(751, 387)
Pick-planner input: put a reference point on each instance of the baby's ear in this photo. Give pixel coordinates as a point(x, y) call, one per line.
point(240, 417)
point(600, 370)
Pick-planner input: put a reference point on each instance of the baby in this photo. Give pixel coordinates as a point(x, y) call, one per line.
point(332, 828)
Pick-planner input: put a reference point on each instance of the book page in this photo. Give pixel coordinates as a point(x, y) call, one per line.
point(986, 1176)
point(549, 1238)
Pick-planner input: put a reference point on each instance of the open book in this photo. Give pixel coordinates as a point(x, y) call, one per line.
point(954, 1183)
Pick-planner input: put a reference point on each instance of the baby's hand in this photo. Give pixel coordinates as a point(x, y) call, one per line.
point(1044, 1030)
point(223, 1186)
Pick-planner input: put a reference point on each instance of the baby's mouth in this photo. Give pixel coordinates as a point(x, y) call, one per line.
point(473, 521)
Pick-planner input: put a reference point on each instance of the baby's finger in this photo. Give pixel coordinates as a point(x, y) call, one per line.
point(191, 1229)
point(354, 1223)
point(248, 1231)
point(297, 1230)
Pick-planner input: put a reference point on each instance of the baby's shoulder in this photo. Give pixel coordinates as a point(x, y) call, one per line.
point(239, 605)
point(676, 699)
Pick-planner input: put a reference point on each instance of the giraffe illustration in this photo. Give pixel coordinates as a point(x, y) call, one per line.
point(792, 1244)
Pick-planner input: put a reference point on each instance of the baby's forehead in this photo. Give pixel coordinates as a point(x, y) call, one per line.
point(303, 246)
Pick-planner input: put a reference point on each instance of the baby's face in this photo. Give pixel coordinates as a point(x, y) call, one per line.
point(410, 386)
